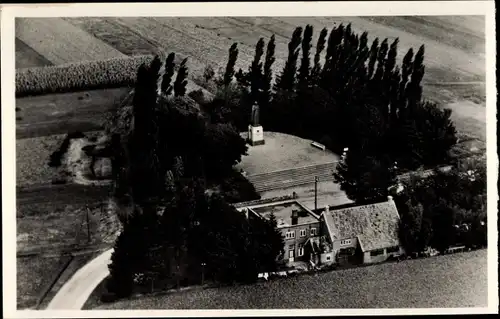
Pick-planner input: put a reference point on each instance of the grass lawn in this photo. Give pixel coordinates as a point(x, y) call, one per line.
point(458, 280)
point(34, 274)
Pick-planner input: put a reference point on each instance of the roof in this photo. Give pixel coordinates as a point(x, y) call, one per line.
point(375, 225)
point(283, 212)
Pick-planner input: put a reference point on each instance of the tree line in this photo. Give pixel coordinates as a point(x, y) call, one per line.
point(173, 169)
point(445, 209)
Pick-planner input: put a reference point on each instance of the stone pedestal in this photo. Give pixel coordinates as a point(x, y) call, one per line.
point(255, 135)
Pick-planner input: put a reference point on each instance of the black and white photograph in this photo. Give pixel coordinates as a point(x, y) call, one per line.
point(314, 158)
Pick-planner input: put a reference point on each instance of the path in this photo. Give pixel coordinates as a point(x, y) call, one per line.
point(76, 291)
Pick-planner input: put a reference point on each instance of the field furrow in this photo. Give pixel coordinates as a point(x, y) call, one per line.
point(61, 42)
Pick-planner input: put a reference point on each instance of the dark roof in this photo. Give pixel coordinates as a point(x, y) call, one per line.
point(375, 225)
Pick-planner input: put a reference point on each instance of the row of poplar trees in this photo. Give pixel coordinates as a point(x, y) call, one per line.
point(349, 94)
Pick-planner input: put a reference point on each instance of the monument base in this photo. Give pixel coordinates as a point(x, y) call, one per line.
point(255, 135)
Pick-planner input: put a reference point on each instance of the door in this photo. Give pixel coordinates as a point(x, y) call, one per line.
point(291, 255)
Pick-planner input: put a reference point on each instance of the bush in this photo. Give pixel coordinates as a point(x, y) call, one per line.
point(236, 188)
point(116, 72)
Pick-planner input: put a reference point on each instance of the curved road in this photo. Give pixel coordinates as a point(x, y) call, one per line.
point(75, 292)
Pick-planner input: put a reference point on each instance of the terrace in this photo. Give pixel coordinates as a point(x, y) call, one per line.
point(283, 213)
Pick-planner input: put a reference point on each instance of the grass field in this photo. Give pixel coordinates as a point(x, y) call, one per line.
point(458, 280)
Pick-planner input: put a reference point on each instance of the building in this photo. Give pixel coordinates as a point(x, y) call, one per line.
point(362, 234)
point(296, 222)
point(346, 234)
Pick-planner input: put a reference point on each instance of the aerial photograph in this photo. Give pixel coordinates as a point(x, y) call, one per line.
point(246, 162)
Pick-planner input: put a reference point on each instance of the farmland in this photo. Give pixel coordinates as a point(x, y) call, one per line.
point(458, 280)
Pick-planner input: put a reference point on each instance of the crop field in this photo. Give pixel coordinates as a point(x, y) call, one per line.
point(458, 280)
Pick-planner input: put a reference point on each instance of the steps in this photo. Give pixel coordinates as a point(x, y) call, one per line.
point(292, 177)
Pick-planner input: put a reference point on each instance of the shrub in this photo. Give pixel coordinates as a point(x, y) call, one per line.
point(116, 72)
point(236, 188)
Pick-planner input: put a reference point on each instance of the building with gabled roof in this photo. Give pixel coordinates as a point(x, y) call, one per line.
point(366, 233)
point(349, 233)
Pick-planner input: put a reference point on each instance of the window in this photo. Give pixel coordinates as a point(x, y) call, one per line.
point(393, 249)
point(302, 233)
point(345, 242)
point(291, 254)
point(313, 231)
point(301, 250)
point(328, 258)
point(291, 247)
point(377, 252)
point(290, 234)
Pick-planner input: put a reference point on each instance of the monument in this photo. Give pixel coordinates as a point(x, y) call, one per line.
point(255, 130)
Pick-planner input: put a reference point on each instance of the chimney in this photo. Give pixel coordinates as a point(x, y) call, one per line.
point(389, 198)
point(327, 209)
point(295, 217)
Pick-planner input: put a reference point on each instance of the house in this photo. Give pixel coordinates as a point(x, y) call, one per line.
point(296, 223)
point(362, 234)
point(346, 234)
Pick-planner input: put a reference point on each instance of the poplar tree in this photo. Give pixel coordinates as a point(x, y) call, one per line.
point(166, 86)
point(332, 57)
point(391, 59)
point(414, 91)
point(268, 72)
point(255, 72)
point(320, 46)
point(373, 57)
point(286, 81)
point(181, 79)
point(305, 66)
point(231, 62)
point(406, 69)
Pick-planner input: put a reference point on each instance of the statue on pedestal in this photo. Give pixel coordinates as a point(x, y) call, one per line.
point(255, 130)
point(254, 120)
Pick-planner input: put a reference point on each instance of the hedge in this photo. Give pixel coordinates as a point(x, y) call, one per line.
point(87, 75)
